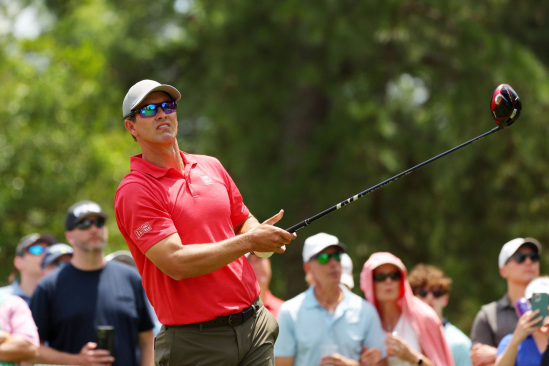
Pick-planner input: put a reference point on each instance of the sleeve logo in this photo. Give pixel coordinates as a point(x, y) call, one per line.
point(140, 231)
point(206, 179)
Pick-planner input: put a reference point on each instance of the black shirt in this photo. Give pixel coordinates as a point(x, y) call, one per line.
point(68, 305)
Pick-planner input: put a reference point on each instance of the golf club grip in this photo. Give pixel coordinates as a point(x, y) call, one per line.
point(308, 221)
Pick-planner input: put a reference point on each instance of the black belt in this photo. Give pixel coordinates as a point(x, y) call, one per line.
point(232, 320)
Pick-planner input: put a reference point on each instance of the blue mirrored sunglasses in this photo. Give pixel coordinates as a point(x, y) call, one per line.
point(150, 110)
point(36, 249)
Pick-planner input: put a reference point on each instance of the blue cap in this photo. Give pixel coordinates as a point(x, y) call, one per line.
point(54, 252)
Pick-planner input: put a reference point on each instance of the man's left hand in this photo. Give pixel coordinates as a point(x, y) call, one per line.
point(335, 359)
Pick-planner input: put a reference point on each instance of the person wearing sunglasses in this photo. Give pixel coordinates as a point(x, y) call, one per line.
point(518, 263)
point(74, 299)
point(27, 264)
point(327, 324)
point(432, 286)
point(56, 256)
point(188, 229)
point(413, 332)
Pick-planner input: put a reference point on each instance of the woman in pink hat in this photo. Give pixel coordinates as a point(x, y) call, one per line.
point(414, 333)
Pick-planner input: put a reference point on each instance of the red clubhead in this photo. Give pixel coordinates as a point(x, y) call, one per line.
point(505, 105)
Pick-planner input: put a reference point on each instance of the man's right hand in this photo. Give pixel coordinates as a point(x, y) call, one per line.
point(269, 238)
point(483, 354)
point(90, 355)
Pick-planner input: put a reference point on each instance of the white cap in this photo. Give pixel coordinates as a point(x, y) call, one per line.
point(123, 256)
point(537, 286)
point(347, 271)
point(140, 90)
point(512, 246)
point(317, 243)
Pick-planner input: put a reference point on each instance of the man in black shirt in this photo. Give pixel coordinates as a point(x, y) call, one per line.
point(71, 302)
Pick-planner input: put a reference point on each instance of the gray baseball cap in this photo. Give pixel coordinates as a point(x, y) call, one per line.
point(140, 90)
point(31, 239)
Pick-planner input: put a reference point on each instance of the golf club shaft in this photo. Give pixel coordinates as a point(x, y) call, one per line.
point(308, 221)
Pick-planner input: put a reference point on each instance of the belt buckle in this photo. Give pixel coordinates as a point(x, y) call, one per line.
point(236, 322)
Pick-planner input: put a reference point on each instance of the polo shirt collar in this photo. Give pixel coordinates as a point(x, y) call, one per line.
point(311, 302)
point(504, 302)
point(141, 165)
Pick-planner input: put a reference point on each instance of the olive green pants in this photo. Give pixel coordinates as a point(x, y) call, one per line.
point(249, 343)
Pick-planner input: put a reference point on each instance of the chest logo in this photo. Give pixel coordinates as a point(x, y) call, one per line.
point(140, 231)
point(207, 180)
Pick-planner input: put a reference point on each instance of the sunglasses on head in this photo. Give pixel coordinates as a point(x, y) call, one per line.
point(381, 277)
point(36, 249)
point(436, 293)
point(324, 258)
point(150, 110)
point(87, 223)
point(521, 257)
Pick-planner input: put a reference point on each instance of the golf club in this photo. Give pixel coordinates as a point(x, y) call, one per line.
point(505, 106)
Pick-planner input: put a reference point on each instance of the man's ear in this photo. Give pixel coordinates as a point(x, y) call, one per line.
point(503, 272)
point(130, 126)
point(18, 263)
point(68, 236)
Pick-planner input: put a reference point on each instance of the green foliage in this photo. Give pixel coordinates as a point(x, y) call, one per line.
point(306, 104)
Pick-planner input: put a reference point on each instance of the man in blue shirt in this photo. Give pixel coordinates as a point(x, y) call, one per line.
point(327, 322)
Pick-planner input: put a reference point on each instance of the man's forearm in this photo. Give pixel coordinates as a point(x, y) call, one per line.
point(48, 355)
point(146, 348)
point(17, 349)
point(246, 225)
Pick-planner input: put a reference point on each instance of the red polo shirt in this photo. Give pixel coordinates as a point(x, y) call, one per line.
point(202, 206)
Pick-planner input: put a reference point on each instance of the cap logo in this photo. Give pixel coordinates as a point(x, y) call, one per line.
point(207, 180)
point(86, 207)
point(140, 231)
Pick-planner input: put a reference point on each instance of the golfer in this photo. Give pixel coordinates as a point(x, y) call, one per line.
point(188, 229)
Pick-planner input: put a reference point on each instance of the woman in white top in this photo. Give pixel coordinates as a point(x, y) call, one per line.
point(414, 333)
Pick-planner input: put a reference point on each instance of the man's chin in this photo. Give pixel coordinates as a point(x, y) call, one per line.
point(93, 248)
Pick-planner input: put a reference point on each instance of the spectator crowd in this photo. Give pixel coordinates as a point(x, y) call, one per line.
point(59, 295)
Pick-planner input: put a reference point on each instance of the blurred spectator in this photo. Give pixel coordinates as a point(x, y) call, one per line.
point(347, 271)
point(18, 336)
point(526, 345)
point(125, 256)
point(28, 257)
point(431, 285)
point(518, 264)
point(414, 332)
point(70, 302)
point(56, 255)
point(263, 273)
point(327, 324)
